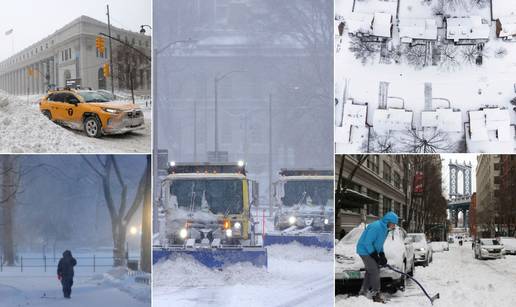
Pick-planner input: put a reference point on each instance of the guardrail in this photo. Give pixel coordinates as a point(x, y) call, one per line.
point(45, 262)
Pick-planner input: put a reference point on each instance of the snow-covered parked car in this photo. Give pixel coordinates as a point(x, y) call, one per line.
point(439, 246)
point(488, 249)
point(349, 268)
point(509, 245)
point(422, 250)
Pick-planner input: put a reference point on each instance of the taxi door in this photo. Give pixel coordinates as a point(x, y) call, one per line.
point(71, 110)
point(57, 104)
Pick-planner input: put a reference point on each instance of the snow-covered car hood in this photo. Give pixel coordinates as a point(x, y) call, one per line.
point(492, 246)
point(347, 258)
point(509, 243)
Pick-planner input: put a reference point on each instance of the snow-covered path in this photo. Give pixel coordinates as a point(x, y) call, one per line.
point(35, 288)
point(296, 276)
point(460, 280)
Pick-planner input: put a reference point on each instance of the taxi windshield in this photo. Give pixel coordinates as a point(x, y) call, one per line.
point(91, 96)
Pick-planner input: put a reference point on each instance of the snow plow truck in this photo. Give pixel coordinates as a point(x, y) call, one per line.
point(303, 208)
point(204, 213)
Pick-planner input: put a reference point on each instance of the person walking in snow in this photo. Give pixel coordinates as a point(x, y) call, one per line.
point(370, 249)
point(65, 272)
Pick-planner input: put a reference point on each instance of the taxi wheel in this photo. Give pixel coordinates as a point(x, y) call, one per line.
point(92, 127)
point(47, 114)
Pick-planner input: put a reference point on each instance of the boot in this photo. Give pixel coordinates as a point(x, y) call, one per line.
point(377, 298)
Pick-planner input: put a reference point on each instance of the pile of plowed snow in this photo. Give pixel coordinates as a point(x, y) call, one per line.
point(24, 129)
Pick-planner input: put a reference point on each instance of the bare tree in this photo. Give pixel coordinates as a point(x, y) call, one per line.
point(128, 64)
point(416, 55)
point(384, 143)
point(120, 213)
point(363, 50)
point(424, 141)
point(470, 54)
point(449, 57)
point(10, 185)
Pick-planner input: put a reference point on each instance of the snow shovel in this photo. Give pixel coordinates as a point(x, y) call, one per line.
point(432, 299)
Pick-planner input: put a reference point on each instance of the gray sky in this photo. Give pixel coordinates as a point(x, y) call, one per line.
point(33, 20)
point(460, 158)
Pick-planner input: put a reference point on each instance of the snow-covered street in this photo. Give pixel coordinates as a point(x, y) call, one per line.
point(296, 276)
point(459, 278)
point(24, 129)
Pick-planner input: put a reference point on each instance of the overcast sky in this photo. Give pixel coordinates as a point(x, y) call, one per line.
point(33, 20)
point(460, 158)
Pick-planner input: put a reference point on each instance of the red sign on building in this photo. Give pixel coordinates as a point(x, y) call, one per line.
point(418, 182)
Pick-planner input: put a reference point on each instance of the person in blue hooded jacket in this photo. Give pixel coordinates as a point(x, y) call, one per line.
point(370, 249)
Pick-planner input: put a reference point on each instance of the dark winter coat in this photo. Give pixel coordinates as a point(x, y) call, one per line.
point(65, 266)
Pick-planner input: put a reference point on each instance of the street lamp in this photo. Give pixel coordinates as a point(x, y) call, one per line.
point(142, 29)
point(216, 80)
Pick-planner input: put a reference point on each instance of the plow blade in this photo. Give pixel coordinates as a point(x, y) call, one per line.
point(324, 240)
point(214, 257)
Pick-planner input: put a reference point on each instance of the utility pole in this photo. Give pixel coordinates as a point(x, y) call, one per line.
point(216, 110)
point(110, 51)
point(270, 154)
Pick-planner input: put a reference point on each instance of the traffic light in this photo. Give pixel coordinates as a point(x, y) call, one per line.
point(105, 69)
point(100, 44)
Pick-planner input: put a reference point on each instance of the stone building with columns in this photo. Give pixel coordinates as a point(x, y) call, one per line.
point(70, 54)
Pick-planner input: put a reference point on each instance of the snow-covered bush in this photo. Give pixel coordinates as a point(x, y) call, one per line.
point(416, 55)
point(470, 54)
point(363, 50)
point(449, 57)
point(500, 52)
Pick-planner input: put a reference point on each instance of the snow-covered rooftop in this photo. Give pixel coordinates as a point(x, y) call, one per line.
point(501, 8)
point(382, 24)
point(410, 28)
point(473, 27)
point(442, 119)
point(508, 26)
point(392, 119)
point(354, 129)
point(354, 114)
point(360, 23)
point(496, 120)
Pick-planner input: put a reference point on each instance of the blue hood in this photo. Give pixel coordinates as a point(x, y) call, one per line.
point(390, 217)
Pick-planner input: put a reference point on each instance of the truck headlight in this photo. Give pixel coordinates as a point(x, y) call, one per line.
point(229, 233)
point(292, 220)
point(237, 225)
point(183, 233)
point(421, 249)
point(326, 221)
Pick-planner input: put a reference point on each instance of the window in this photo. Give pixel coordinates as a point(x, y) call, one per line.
point(372, 163)
point(387, 205)
point(373, 208)
point(386, 172)
point(397, 179)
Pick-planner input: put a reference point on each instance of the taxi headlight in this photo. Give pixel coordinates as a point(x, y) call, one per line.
point(112, 111)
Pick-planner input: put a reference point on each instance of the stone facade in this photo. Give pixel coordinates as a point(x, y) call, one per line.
point(69, 53)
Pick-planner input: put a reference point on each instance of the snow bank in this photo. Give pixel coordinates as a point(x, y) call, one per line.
point(121, 279)
point(25, 129)
point(11, 296)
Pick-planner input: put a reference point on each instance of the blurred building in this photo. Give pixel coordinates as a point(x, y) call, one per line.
point(272, 90)
point(70, 54)
point(507, 195)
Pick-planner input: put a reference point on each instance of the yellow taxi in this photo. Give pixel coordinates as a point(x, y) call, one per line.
point(91, 111)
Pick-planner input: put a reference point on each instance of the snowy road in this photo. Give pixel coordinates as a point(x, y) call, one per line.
point(296, 276)
point(460, 279)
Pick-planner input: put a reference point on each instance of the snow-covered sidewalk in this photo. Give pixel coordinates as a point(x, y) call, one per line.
point(37, 289)
point(460, 280)
point(297, 276)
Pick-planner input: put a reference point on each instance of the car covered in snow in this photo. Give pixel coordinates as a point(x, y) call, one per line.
point(488, 249)
point(91, 111)
point(509, 245)
point(439, 246)
point(349, 268)
point(422, 250)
